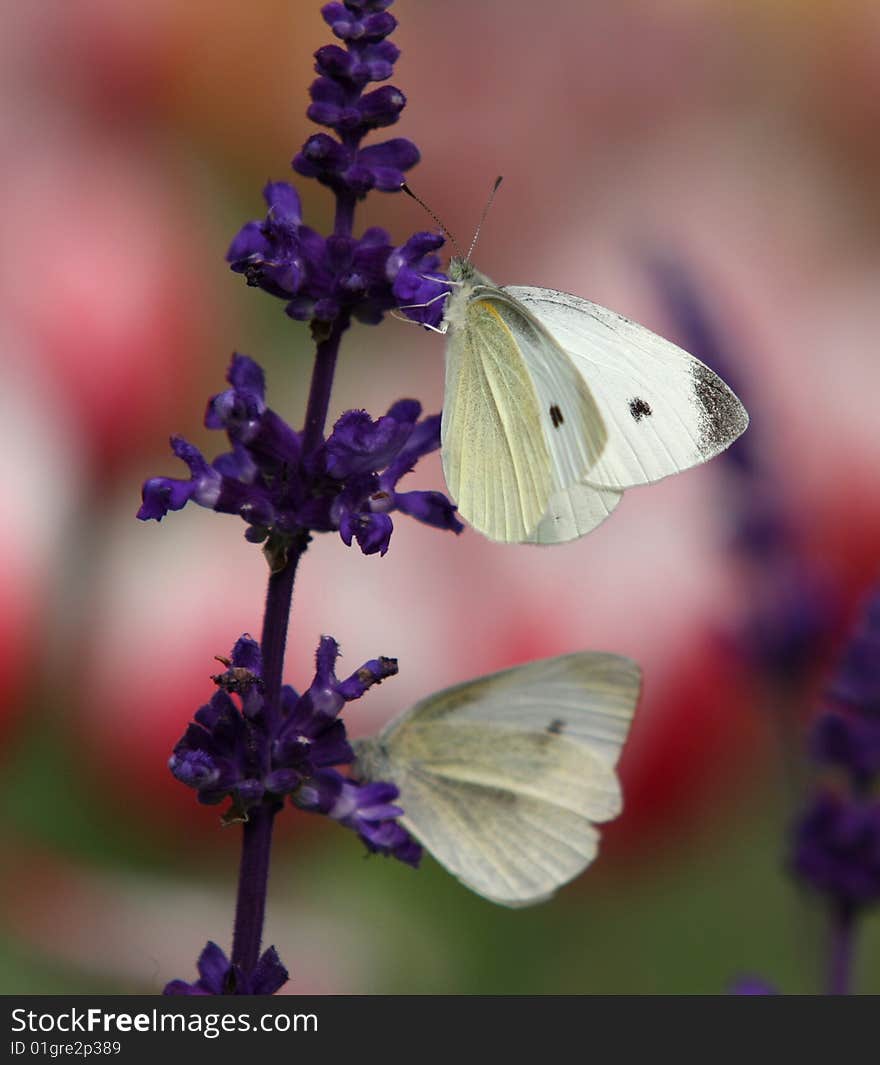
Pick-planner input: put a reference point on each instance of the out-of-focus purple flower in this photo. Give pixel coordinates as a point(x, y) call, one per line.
point(837, 848)
point(791, 607)
point(218, 976)
point(857, 682)
point(847, 733)
point(341, 276)
point(348, 485)
point(752, 985)
point(849, 742)
point(235, 752)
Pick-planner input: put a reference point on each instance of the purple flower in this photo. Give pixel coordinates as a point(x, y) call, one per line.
point(348, 485)
point(752, 985)
point(849, 742)
point(236, 752)
point(357, 448)
point(342, 276)
point(847, 734)
point(367, 808)
point(837, 849)
point(792, 610)
point(218, 976)
point(857, 683)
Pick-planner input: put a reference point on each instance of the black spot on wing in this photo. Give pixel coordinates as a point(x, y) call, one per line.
point(722, 418)
point(556, 416)
point(556, 727)
point(640, 408)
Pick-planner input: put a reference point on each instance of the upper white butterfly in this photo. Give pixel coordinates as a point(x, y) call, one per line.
point(554, 405)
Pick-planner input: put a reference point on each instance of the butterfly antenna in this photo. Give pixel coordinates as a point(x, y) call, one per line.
point(495, 188)
point(405, 188)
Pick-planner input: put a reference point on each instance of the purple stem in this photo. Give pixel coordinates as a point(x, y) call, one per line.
point(256, 848)
point(322, 385)
point(256, 844)
point(253, 881)
point(841, 951)
point(276, 620)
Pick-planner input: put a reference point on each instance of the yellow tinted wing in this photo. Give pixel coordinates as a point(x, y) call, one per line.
point(495, 456)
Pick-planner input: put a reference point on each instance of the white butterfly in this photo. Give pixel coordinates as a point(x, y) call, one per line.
point(554, 405)
point(503, 778)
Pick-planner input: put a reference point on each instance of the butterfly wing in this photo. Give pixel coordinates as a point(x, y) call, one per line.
point(519, 422)
point(664, 410)
point(573, 512)
point(503, 778)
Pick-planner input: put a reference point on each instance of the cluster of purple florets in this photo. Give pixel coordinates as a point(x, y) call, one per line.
point(837, 839)
point(348, 484)
point(323, 279)
point(241, 753)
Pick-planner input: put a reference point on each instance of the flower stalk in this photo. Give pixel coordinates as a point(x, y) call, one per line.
point(259, 743)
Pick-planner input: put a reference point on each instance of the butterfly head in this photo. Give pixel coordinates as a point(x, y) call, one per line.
point(460, 270)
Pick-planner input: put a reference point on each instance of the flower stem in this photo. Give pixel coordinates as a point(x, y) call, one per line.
point(253, 876)
point(276, 620)
point(256, 845)
point(253, 881)
point(256, 848)
point(841, 951)
point(322, 384)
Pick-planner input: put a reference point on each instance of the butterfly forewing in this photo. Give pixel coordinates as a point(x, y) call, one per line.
point(664, 410)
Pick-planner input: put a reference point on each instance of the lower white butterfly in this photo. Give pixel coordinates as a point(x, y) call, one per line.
point(504, 778)
point(554, 405)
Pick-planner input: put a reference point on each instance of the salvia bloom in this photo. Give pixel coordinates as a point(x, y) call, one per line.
point(348, 484)
point(241, 753)
point(837, 840)
point(325, 278)
point(218, 976)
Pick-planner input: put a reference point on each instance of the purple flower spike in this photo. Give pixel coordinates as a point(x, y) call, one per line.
point(218, 976)
point(316, 277)
point(837, 849)
point(857, 684)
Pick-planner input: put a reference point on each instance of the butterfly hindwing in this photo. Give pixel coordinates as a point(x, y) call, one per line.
point(495, 458)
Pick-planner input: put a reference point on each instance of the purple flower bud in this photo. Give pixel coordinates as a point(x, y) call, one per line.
point(381, 107)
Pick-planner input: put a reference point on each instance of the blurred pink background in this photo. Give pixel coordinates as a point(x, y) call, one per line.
point(739, 141)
